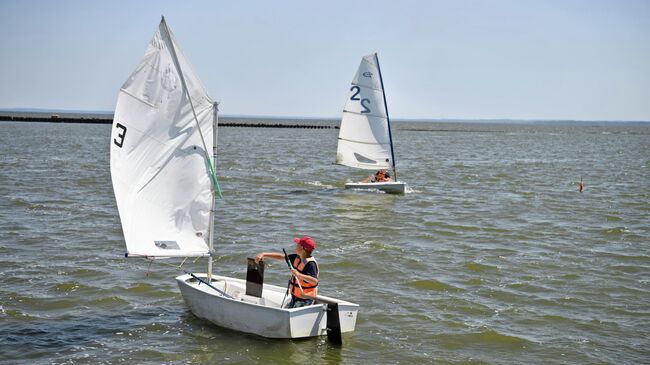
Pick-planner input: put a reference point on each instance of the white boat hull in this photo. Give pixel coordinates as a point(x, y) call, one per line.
point(261, 316)
point(393, 187)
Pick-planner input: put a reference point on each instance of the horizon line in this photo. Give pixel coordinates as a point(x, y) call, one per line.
point(442, 119)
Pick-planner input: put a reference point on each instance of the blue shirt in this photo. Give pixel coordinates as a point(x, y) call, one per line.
point(310, 267)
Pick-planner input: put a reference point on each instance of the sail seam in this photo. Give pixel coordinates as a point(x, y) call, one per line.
point(205, 107)
point(367, 87)
point(371, 143)
point(137, 98)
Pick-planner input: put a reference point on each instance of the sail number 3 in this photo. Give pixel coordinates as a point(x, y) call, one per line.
point(363, 102)
point(121, 135)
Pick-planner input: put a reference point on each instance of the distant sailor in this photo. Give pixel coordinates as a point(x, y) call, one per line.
point(379, 176)
point(305, 271)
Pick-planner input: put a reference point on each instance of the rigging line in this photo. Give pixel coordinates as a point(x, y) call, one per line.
point(148, 268)
point(172, 50)
point(223, 293)
point(151, 261)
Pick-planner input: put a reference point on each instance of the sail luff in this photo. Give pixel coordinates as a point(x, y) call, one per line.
point(172, 50)
point(390, 134)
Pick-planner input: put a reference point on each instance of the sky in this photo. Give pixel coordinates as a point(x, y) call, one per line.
point(440, 59)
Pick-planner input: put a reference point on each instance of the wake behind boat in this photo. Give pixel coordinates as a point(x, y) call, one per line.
point(165, 186)
point(365, 138)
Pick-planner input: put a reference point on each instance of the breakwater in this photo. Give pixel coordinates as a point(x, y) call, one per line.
point(224, 121)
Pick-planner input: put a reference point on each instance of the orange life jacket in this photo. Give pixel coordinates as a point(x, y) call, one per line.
point(307, 287)
point(380, 176)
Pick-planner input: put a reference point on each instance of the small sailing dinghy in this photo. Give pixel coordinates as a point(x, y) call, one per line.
point(365, 139)
point(165, 187)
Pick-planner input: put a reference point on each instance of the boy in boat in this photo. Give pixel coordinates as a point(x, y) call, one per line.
point(379, 176)
point(304, 280)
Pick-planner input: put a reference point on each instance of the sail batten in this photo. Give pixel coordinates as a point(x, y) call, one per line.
point(159, 159)
point(353, 141)
point(363, 114)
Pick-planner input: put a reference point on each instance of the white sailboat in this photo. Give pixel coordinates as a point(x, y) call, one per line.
point(365, 139)
point(165, 187)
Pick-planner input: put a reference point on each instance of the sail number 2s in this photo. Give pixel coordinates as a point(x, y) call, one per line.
point(363, 102)
point(120, 135)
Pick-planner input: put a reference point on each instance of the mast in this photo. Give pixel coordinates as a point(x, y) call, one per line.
point(390, 136)
point(215, 122)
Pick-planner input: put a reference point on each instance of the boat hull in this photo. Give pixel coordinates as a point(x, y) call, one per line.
point(392, 187)
point(261, 316)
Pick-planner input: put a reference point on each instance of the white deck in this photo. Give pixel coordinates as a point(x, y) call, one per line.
point(260, 316)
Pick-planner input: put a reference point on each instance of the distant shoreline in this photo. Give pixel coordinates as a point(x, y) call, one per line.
point(62, 116)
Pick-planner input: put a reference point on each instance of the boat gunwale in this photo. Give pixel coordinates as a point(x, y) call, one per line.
point(184, 279)
point(388, 187)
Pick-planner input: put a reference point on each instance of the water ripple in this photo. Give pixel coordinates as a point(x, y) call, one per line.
point(493, 256)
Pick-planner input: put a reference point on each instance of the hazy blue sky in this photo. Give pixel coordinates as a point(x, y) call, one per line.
point(520, 59)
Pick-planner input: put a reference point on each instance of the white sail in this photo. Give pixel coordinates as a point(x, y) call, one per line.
point(364, 138)
point(159, 160)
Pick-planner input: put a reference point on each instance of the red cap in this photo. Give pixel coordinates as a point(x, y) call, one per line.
point(307, 242)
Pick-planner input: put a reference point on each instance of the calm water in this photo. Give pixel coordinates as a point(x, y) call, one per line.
point(493, 257)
